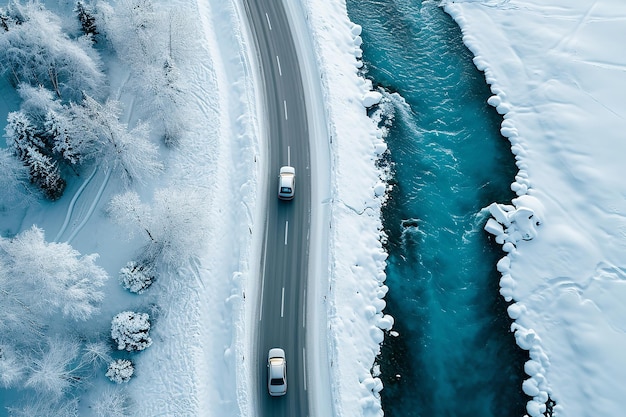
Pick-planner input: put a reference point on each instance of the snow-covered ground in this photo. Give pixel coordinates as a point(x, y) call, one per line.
point(201, 320)
point(558, 73)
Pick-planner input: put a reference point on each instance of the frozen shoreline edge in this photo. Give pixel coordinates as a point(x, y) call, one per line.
point(511, 224)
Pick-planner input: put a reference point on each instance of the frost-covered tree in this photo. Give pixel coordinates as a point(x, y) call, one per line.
point(136, 30)
point(21, 134)
point(128, 151)
point(54, 369)
point(43, 406)
point(96, 353)
point(26, 142)
point(173, 224)
point(87, 19)
point(163, 93)
point(37, 102)
point(120, 371)
point(13, 178)
point(136, 277)
point(39, 279)
point(60, 128)
point(11, 366)
point(34, 49)
point(153, 43)
point(5, 20)
point(44, 172)
point(131, 331)
point(113, 402)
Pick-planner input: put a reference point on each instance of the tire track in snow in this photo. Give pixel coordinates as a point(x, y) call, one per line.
point(70, 209)
point(94, 203)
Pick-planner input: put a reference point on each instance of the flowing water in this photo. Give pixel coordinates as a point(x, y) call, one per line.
point(454, 355)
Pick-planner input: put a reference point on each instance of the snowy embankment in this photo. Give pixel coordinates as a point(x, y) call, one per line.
point(557, 71)
point(348, 305)
point(198, 340)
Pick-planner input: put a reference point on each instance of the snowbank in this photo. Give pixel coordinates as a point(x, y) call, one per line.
point(353, 297)
point(556, 70)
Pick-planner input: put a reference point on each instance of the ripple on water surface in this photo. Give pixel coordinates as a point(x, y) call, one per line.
point(454, 355)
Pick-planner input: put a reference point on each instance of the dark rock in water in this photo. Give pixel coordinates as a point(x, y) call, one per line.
point(410, 223)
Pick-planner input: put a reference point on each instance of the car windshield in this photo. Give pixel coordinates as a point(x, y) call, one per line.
point(276, 381)
point(285, 189)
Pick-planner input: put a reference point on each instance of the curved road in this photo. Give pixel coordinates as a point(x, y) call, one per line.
point(285, 256)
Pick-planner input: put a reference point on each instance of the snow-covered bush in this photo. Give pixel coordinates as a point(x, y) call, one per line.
point(34, 49)
point(173, 225)
point(136, 277)
point(120, 371)
point(113, 402)
point(130, 330)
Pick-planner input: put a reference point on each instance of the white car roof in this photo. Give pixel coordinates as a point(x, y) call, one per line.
point(276, 353)
point(287, 170)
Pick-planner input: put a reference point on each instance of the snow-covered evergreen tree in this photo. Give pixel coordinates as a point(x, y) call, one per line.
point(173, 224)
point(21, 134)
point(87, 19)
point(66, 141)
point(26, 142)
point(44, 172)
point(120, 371)
point(5, 20)
point(136, 277)
point(130, 330)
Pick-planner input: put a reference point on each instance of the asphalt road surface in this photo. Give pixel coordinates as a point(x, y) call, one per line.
point(285, 254)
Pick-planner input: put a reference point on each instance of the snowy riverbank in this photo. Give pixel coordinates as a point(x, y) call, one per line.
point(557, 73)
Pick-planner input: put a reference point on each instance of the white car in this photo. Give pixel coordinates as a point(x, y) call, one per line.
point(276, 372)
point(287, 183)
